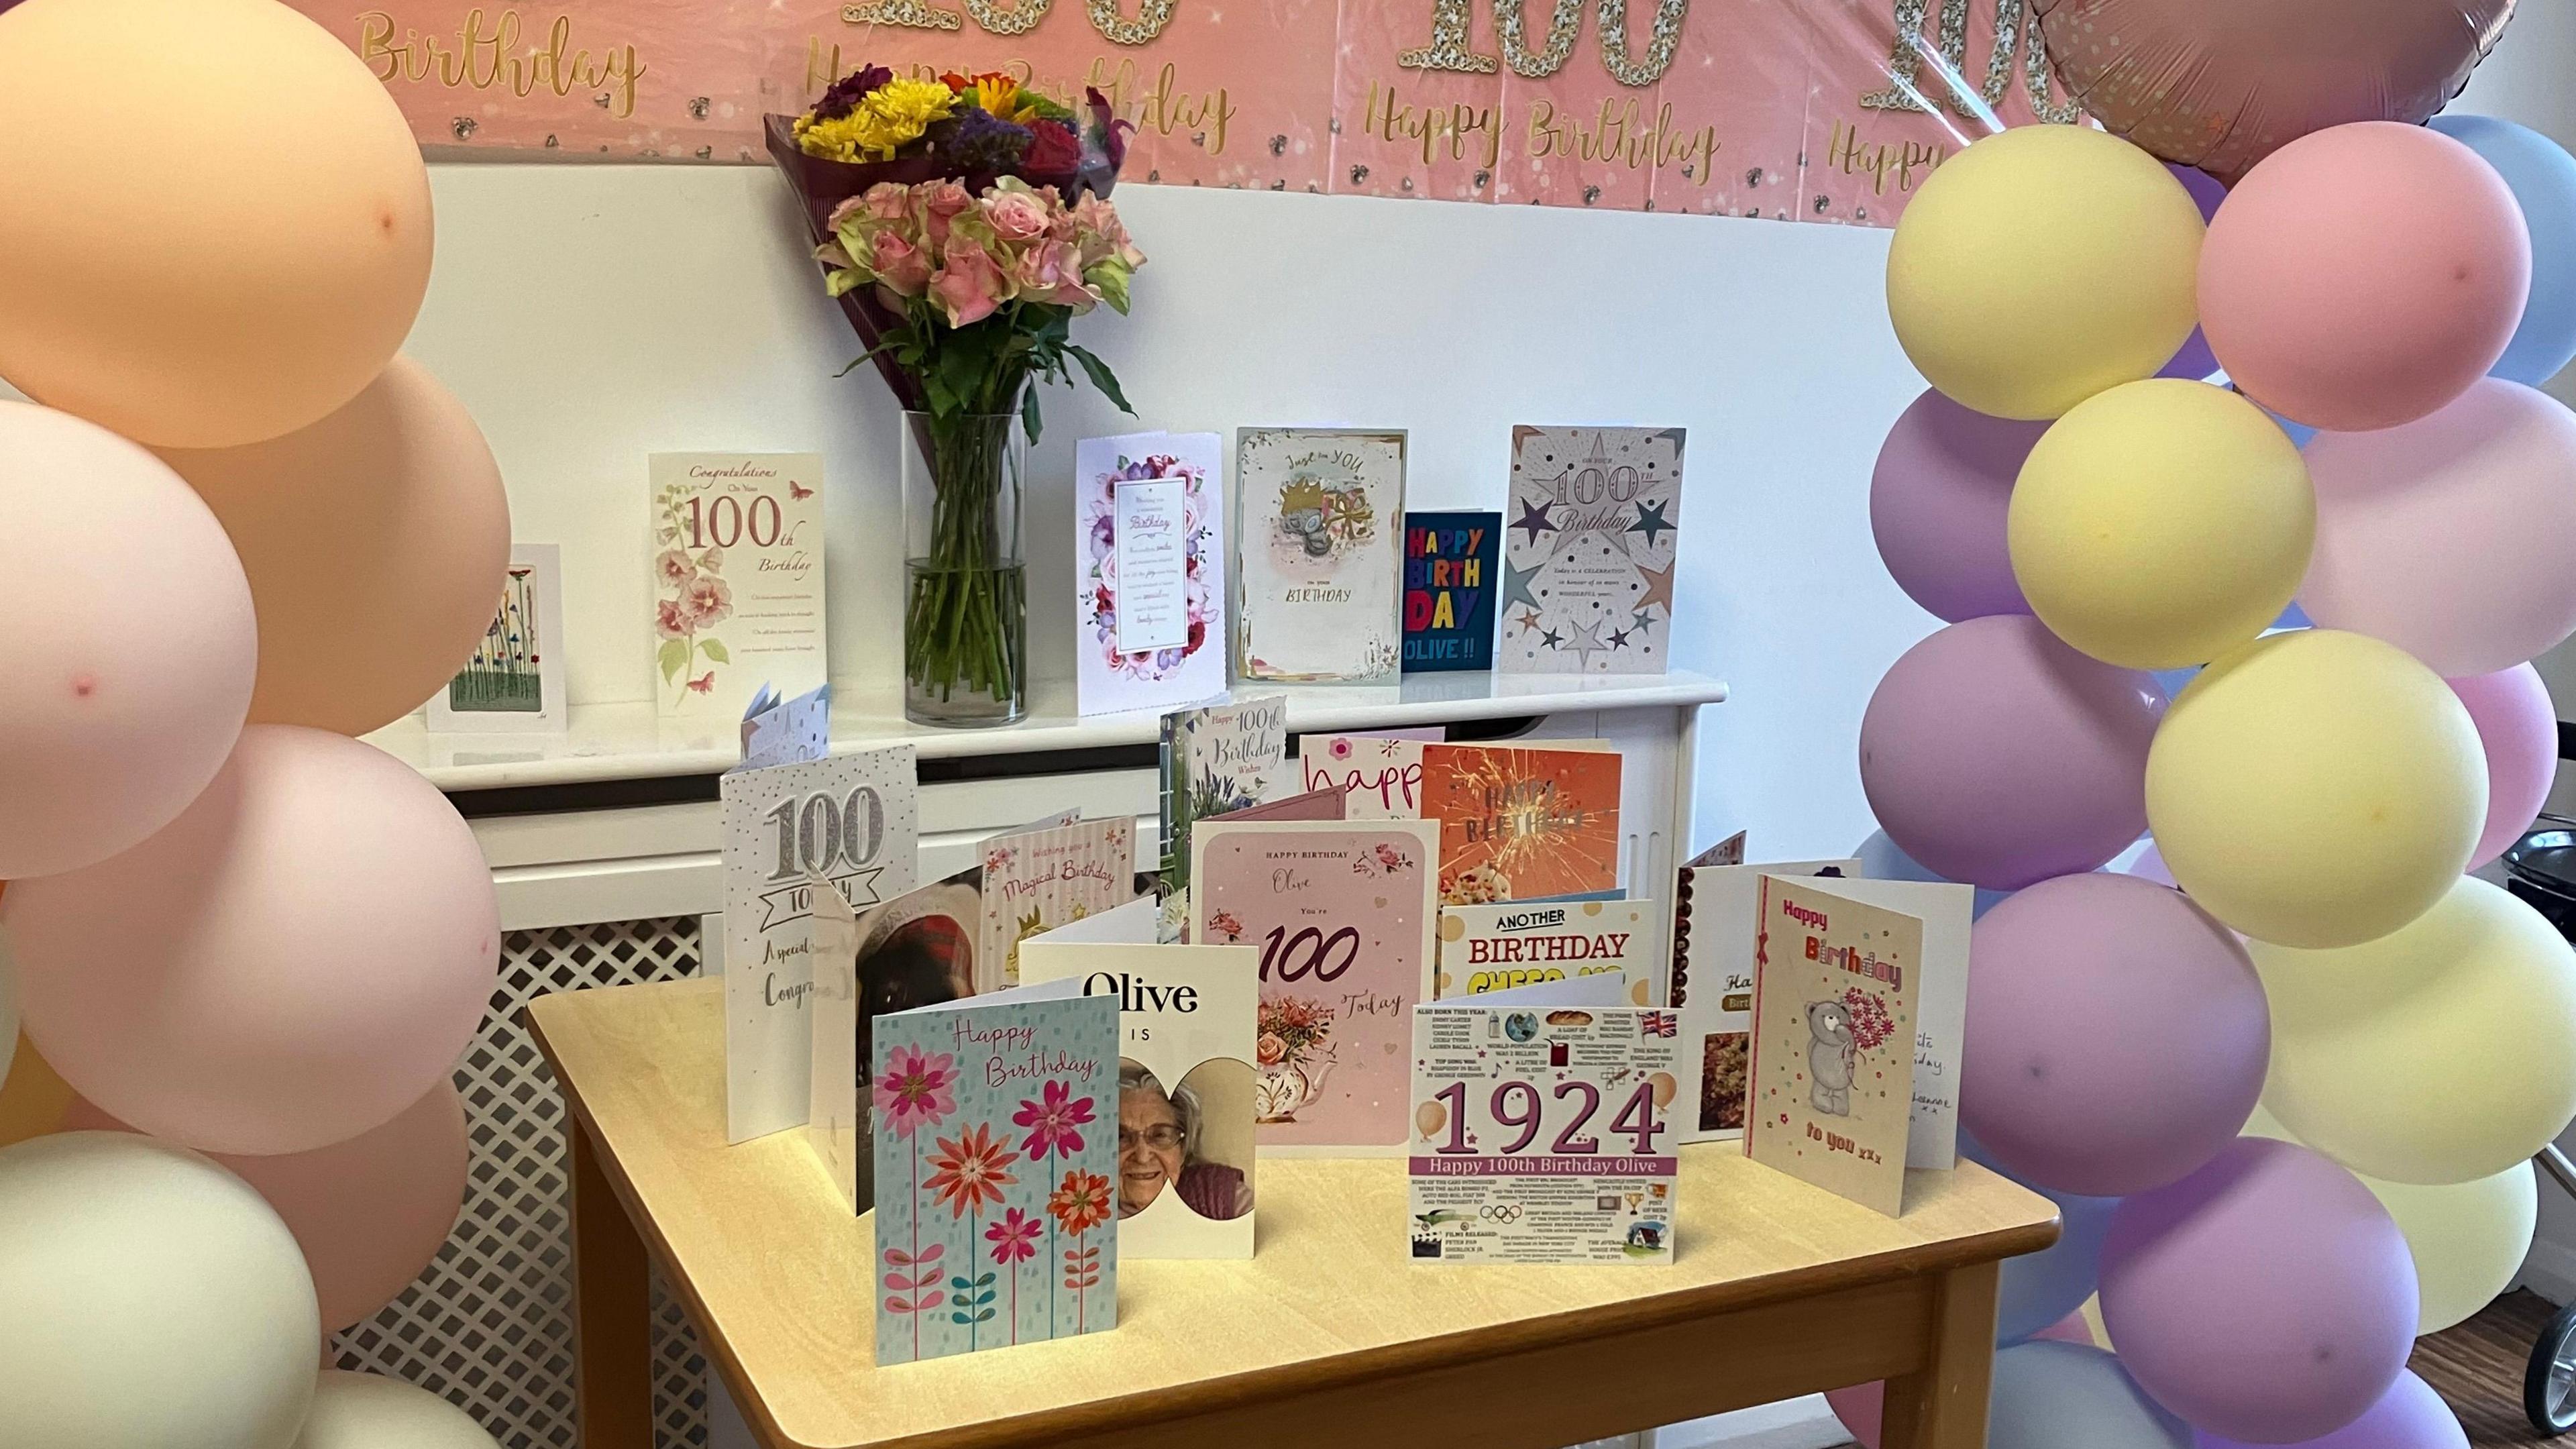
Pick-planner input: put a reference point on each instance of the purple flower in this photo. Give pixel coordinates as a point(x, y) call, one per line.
point(845, 94)
point(974, 141)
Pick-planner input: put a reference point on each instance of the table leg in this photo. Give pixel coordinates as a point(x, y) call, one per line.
point(1943, 1404)
point(612, 1307)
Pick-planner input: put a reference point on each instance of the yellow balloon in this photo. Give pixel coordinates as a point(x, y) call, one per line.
point(2468, 1238)
point(2316, 789)
point(2042, 265)
point(2443, 1053)
point(2161, 524)
point(217, 226)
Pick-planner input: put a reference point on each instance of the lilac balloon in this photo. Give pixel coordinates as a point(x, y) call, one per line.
point(1881, 860)
point(2519, 727)
point(2409, 1416)
point(1996, 755)
point(2195, 361)
point(1937, 501)
point(2267, 1298)
point(2117, 1036)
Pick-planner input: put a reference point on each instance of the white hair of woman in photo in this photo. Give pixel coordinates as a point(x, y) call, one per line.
point(1158, 1148)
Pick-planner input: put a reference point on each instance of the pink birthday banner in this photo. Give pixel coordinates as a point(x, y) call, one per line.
point(1807, 110)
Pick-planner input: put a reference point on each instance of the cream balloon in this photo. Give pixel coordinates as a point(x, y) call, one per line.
point(2468, 1238)
point(366, 1411)
point(233, 292)
point(148, 1299)
point(2161, 524)
point(2042, 265)
point(2316, 789)
point(8, 1012)
point(2441, 1053)
point(376, 541)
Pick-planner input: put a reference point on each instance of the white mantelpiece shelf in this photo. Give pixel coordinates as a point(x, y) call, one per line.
point(627, 742)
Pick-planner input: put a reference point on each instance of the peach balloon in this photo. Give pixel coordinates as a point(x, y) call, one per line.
point(376, 540)
point(2364, 275)
point(297, 958)
point(130, 663)
point(218, 226)
point(369, 1213)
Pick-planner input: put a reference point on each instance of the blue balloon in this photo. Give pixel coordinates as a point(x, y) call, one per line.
point(2300, 433)
point(2171, 681)
point(2050, 1395)
point(2041, 1288)
point(2294, 617)
point(2543, 178)
point(1881, 860)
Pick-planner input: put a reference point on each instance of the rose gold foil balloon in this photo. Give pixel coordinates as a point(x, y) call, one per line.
point(2221, 84)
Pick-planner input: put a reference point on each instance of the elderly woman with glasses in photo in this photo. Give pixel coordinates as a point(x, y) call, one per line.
point(1158, 1147)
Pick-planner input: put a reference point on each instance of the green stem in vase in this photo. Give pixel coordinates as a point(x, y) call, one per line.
point(965, 620)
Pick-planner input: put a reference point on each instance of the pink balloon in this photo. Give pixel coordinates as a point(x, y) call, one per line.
point(301, 955)
point(370, 1213)
point(130, 664)
point(1862, 1408)
point(1995, 755)
point(2117, 1036)
point(2519, 727)
point(2219, 84)
point(1937, 502)
point(2453, 538)
point(2364, 276)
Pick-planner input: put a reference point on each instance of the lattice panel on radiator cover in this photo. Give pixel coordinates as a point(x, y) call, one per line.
point(490, 1324)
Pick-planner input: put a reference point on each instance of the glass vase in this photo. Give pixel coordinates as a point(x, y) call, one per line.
point(966, 617)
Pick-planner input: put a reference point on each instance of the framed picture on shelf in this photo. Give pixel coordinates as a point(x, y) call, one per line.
point(514, 684)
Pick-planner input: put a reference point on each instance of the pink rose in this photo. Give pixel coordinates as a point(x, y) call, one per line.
point(1051, 271)
point(941, 203)
point(886, 201)
point(971, 286)
point(1015, 215)
point(706, 601)
point(1270, 1050)
point(670, 620)
point(1103, 234)
point(899, 264)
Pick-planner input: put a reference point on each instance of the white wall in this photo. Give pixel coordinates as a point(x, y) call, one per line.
point(590, 315)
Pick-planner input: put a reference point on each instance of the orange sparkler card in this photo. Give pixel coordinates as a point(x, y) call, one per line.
point(1518, 825)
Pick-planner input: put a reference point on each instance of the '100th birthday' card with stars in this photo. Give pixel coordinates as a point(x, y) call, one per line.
point(1589, 546)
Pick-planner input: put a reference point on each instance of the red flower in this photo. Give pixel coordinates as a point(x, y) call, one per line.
point(1082, 1203)
point(1053, 1121)
point(970, 1175)
point(1014, 1236)
point(1054, 150)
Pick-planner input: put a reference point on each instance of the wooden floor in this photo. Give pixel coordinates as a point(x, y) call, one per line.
point(2477, 1368)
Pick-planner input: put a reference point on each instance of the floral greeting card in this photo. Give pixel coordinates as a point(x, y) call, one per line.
point(1540, 1131)
point(1320, 524)
point(1185, 1088)
point(1836, 984)
point(1342, 913)
point(996, 1156)
point(1037, 880)
point(1589, 550)
point(1505, 947)
point(1149, 571)
point(1449, 561)
point(1215, 760)
point(515, 681)
point(737, 579)
point(1522, 824)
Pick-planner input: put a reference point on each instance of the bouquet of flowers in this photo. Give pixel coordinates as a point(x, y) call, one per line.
point(964, 223)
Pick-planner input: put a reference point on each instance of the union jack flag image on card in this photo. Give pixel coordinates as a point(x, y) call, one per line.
point(1659, 1023)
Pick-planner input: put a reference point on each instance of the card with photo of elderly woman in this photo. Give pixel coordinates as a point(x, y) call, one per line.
point(1185, 1087)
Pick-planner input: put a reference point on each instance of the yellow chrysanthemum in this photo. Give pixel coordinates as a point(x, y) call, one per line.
point(886, 119)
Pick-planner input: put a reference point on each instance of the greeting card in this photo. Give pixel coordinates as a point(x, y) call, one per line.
point(784, 731)
point(1380, 776)
point(1522, 824)
point(848, 819)
point(737, 579)
point(995, 1163)
point(1319, 514)
point(1037, 880)
point(1185, 1087)
point(1714, 912)
point(1539, 1131)
point(1149, 571)
point(1835, 987)
point(1343, 914)
point(1214, 760)
point(1449, 561)
point(1505, 947)
point(1589, 551)
point(515, 681)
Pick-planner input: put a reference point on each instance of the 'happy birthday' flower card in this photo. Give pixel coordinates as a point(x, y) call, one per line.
point(1149, 571)
point(996, 1153)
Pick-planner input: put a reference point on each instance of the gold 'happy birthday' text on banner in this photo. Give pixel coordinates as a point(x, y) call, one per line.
point(1825, 110)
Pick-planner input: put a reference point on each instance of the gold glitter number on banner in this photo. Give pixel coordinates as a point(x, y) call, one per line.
point(1659, 50)
point(1117, 29)
point(1564, 27)
point(1448, 48)
point(1905, 63)
point(2037, 77)
point(912, 14)
point(1018, 21)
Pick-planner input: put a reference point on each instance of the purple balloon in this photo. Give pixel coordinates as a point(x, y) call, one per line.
point(2519, 728)
point(1937, 502)
point(2267, 1298)
point(2195, 361)
point(2409, 1416)
point(2117, 1036)
point(1996, 755)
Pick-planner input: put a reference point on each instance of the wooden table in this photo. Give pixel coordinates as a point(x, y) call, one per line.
point(1332, 1335)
